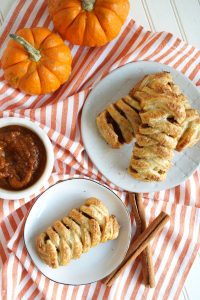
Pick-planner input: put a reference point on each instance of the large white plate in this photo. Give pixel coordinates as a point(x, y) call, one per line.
point(113, 163)
point(54, 204)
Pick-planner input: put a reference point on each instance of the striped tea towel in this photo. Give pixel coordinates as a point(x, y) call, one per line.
point(174, 250)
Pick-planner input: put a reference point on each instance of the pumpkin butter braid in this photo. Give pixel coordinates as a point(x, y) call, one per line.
point(76, 233)
point(119, 122)
point(159, 116)
point(190, 127)
point(162, 113)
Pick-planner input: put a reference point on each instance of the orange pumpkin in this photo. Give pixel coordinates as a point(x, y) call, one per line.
point(88, 22)
point(36, 61)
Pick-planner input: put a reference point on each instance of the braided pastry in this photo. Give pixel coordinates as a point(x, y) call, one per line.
point(162, 112)
point(75, 234)
point(119, 122)
point(161, 119)
point(163, 82)
point(190, 127)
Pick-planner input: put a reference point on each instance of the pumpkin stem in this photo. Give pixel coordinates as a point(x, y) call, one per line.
point(88, 4)
point(34, 54)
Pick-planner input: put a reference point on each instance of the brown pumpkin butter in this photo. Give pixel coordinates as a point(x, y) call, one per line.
point(22, 157)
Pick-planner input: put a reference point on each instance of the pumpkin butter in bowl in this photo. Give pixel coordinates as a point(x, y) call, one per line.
point(26, 158)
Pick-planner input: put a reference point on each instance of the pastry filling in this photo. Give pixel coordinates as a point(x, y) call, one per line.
point(86, 215)
point(46, 238)
point(171, 120)
point(115, 127)
point(120, 111)
point(133, 170)
point(133, 108)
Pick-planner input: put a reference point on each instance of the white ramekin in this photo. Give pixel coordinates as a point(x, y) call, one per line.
point(13, 195)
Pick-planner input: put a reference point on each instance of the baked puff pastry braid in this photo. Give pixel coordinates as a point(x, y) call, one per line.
point(76, 233)
point(163, 89)
point(190, 128)
point(119, 122)
point(162, 113)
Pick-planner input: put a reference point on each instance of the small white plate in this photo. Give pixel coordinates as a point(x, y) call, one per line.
point(113, 163)
point(55, 203)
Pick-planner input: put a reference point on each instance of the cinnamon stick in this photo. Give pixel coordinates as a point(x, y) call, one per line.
point(138, 246)
point(146, 255)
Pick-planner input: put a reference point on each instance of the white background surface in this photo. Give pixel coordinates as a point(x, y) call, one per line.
point(182, 18)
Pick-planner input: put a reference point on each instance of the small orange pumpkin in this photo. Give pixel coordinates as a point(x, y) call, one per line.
point(88, 22)
point(36, 61)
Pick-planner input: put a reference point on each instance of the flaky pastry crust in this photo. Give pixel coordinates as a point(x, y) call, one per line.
point(76, 233)
point(162, 113)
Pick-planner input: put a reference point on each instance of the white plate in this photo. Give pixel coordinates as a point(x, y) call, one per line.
point(113, 163)
point(54, 204)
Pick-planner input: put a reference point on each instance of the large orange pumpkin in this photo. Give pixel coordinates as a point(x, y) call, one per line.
point(36, 61)
point(88, 22)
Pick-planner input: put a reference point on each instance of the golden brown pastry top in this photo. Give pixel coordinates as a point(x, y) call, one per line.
point(76, 233)
point(190, 134)
point(161, 82)
point(162, 112)
point(157, 92)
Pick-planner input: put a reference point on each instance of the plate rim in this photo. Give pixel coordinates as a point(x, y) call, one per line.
point(82, 134)
point(103, 185)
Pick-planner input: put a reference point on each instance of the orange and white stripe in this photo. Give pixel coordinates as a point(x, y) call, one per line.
point(174, 250)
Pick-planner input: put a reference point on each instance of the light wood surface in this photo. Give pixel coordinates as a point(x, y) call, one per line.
point(182, 18)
